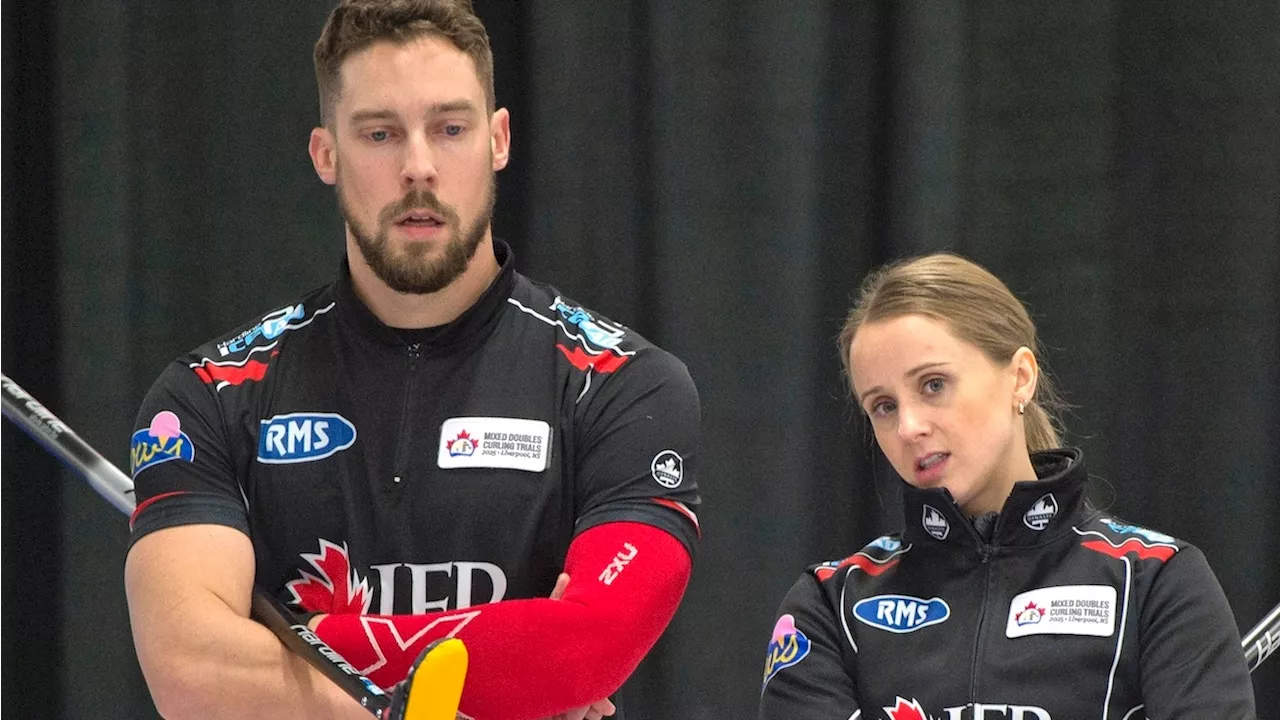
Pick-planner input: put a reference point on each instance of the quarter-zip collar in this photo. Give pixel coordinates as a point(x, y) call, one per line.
point(1036, 512)
point(468, 328)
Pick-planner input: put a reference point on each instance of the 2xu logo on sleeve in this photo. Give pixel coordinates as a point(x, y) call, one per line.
point(303, 437)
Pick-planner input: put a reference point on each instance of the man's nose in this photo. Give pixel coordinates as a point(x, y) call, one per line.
point(418, 169)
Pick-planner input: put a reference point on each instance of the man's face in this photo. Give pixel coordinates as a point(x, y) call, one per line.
point(414, 154)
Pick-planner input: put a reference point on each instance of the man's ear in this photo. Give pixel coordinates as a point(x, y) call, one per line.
point(324, 155)
point(500, 137)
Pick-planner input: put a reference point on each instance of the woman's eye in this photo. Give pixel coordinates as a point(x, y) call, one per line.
point(934, 385)
point(883, 408)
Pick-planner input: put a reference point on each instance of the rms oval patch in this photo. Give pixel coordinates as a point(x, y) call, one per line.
point(303, 437)
point(901, 613)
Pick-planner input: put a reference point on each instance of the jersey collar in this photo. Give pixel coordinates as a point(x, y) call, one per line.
point(471, 325)
point(1035, 512)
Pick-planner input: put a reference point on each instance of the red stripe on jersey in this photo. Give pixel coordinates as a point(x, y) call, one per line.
point(1132, 545)
point(683, 510)
point(865, 563)
point(605, 362)
point(212, 373)
point(146, 504)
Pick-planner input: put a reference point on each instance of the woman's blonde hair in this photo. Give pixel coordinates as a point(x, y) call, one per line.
point(976, 306)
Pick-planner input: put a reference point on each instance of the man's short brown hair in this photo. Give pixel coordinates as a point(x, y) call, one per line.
point(356, 24)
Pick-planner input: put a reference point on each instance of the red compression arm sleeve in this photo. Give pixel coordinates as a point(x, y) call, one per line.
point(536, 658)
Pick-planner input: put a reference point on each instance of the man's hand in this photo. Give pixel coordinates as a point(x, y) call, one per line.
point(599, 709)
point(595, 711)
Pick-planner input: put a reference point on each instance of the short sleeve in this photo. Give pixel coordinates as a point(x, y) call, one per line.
point(636, 445)
point(179, 458)
point(1192, 663)
point(805, 677)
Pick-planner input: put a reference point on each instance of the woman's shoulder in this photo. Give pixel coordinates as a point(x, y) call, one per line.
point(1115, 536)
point(873, 558)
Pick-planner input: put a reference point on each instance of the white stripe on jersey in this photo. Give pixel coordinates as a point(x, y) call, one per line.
point(1124, 613)
point(585, 343)
point(844, 621)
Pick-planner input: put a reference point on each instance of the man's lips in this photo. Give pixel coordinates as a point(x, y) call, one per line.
point(419, 217)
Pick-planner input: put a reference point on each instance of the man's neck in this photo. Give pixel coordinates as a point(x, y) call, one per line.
point(410, 311)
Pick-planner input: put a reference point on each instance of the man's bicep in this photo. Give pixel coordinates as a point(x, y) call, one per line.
point(180, 443)
point(182, 460)
point(637, 443)
point(182, 569)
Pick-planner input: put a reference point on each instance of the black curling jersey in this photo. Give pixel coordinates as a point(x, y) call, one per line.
point(1060, 612)
point(394, 472)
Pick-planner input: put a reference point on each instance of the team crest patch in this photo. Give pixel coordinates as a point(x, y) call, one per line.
point(1044, 509)
point(494, 442)
point(935, 523)
point(161, 441)
point(667, 468)
point(1063, 610)
point(787, 647)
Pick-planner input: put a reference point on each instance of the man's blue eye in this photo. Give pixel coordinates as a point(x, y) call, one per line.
point(378, 135)
point(452, 130)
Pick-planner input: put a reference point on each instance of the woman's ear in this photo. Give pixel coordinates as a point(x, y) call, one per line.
point(1026, 373)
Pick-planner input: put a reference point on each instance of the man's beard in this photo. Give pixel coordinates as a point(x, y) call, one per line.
point(411, 269)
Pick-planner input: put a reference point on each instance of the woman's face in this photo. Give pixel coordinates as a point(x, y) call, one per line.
point(944, 414)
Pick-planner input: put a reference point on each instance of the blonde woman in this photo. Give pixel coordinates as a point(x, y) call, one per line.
point(1006, 595)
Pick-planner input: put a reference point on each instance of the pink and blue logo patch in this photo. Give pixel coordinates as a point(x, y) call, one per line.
point(161, 441)
point(787, 647)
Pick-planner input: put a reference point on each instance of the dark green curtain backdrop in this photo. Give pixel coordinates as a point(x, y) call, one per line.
point(718, 175)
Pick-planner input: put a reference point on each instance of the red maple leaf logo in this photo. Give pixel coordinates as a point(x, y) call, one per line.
point(337, 588)
point(903, 710)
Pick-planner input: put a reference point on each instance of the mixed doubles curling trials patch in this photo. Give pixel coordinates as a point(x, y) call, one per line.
point(787, 647)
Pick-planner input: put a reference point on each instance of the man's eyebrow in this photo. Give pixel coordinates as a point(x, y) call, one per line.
point(360, 116)
point(452, 106)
